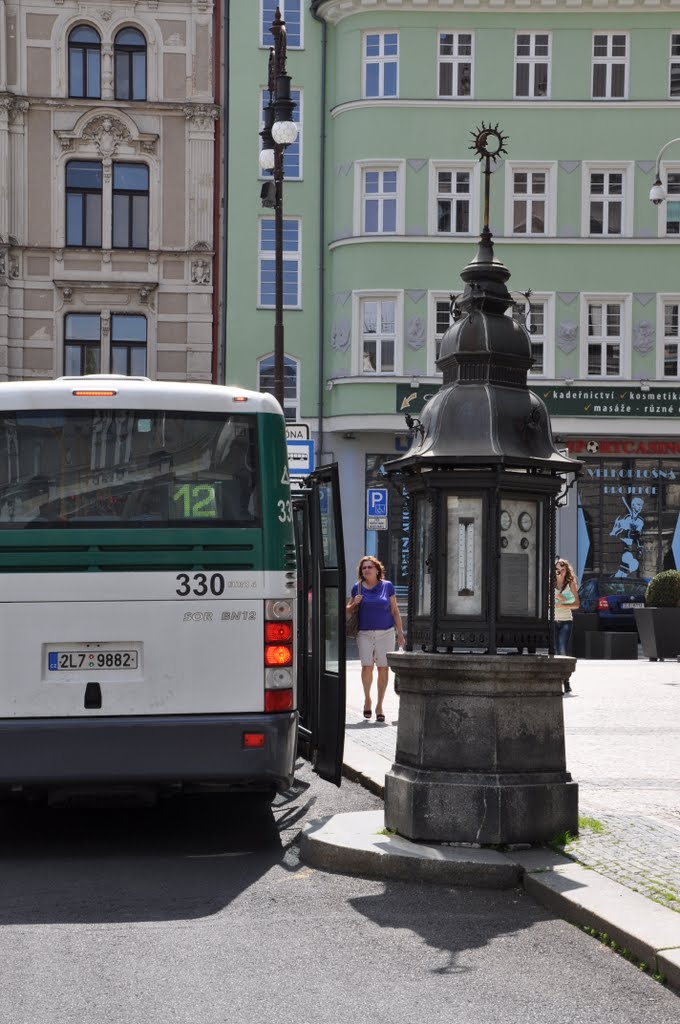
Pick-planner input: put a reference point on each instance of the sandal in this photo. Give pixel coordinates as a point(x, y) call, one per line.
point(367, 714)
point(380, 718)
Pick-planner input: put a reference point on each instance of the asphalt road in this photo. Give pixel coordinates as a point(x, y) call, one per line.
point(199, 911)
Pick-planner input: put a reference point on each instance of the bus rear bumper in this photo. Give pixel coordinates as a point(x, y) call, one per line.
point(148, 750)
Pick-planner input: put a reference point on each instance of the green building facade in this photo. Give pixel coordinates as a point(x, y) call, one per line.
point(383, 210)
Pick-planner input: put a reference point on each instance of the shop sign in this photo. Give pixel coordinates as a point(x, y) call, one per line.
point(589, 400)
point(610, 400)
point(412, 399)
point(629, 446)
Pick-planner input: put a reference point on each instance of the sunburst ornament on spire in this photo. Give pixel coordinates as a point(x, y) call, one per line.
point(489, 142)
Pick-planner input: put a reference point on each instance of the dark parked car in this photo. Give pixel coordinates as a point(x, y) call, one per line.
point(614, 600)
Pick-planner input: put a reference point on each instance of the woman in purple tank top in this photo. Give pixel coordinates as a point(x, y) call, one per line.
point(378, 617)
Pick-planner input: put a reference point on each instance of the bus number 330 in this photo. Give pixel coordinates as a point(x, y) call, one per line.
point(200, 584)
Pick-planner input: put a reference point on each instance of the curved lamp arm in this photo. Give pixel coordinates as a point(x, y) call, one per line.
point(657, 193)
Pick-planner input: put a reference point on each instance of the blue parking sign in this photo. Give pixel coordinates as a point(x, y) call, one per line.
point(376, 502)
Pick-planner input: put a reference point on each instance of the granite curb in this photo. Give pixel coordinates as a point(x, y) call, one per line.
point(357, 844)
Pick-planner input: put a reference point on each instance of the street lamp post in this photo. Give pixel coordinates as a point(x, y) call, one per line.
point(657, 193)
point(278, 133)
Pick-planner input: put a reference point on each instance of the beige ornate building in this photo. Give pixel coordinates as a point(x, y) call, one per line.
point(107, 149)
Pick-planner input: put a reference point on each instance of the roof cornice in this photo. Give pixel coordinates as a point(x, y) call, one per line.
point(334, 11)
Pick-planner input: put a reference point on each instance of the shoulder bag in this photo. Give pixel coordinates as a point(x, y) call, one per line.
point(352, 620)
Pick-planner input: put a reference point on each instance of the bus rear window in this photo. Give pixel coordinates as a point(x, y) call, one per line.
point(129, 467)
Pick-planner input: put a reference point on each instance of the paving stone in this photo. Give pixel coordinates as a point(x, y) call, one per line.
point(622, 728)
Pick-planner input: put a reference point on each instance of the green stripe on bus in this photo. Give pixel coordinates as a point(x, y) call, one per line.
point(124, 550)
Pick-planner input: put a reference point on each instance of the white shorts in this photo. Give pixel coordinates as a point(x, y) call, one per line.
point(374, 646)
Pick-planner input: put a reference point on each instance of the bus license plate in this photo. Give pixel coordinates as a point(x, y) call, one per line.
point(86, 661)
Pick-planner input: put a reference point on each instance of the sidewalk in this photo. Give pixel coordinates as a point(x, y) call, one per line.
point(622, 726)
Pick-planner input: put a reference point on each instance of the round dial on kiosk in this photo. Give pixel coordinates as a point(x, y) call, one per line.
point(506, 519)
point(525, 522)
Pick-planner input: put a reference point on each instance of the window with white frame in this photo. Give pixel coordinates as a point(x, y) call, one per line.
point(605, 332)
point(292, 255)
point(291, 12)
point(670, 210)
point(381, 64)
point(610, 66)
point(379, 200)
point(670, 366)
point(536, 315)
point(453, 190)
point(441, 319)
point(292, 154)
point(291, 383)
point(529, 203)
point(607, 201)
point(377, 334)
point(455, 65)
point(674, 66)
point(532, 65)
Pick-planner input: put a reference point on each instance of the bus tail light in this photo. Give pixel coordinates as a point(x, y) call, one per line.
point(602, 604)
point(278, 700)
point(279, 655)
point(278, 632)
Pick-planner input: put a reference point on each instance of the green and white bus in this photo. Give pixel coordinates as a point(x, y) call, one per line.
point(169, 614)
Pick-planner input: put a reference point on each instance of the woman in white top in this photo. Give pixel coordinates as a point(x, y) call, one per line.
point(566, 601)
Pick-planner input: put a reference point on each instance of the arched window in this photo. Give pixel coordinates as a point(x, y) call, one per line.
point(291, 384)
point(84, 63)
point(129, 61)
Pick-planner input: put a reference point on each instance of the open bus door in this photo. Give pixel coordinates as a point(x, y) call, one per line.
point(321, 621)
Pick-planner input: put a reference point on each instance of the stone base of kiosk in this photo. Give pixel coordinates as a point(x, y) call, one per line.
point(480, 749)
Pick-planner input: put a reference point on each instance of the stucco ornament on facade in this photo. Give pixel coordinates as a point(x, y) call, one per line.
point(415, 332)
point(567, 336)
point(200, 272)
point(107, 133)
point(202, 116)
point(340, 335)
point(16, 110)
point(643, 337)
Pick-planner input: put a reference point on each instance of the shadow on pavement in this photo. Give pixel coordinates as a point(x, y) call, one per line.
point(186, 858)
point(452, 920)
